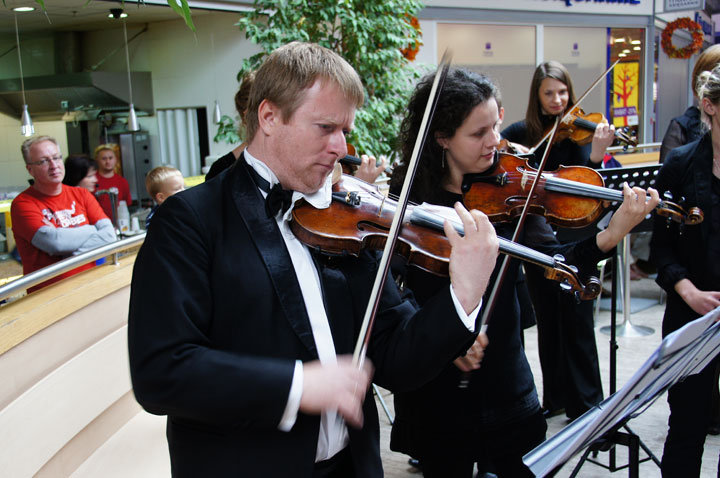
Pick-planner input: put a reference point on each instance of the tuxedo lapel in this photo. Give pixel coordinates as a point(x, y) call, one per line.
point(271, 246)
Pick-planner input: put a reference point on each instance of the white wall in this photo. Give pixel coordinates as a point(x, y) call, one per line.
point(13, 175)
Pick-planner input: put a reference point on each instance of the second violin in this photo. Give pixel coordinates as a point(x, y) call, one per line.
point(571, 196)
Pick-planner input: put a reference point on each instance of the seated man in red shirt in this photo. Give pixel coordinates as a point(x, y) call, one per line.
point(52, 221)
point(107, 180)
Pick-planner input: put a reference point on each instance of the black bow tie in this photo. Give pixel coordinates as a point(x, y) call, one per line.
point(278, 199)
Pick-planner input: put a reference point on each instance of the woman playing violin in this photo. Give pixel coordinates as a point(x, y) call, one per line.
point(551, 95)
point(497, 417)
point(566, 336)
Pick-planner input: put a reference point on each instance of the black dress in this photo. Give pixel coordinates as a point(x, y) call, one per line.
point(693, 254)
point(566, 334)
point(497, 418)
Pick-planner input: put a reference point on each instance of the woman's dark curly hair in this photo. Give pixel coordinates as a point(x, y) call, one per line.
point(77, 167)
point(462, 91)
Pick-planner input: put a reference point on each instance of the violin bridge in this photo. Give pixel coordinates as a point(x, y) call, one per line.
point(524, 180)
point(380, 209)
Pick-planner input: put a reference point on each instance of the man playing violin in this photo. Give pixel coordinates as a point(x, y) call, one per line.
point(240, 334)
point(495, 418)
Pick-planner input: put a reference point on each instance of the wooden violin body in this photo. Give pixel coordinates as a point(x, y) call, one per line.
point(571, 196)
point(360, 216)
point(501, 193)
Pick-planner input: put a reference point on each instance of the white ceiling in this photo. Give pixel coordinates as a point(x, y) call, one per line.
point(84, 15)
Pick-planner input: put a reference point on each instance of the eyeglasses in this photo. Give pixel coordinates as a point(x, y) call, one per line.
point(46, 161)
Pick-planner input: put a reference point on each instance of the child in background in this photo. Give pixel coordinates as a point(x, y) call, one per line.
point(108, 180)
point(161, 183)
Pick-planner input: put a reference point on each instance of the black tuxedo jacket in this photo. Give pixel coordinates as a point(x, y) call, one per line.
point(679, 254)
point(217, 320)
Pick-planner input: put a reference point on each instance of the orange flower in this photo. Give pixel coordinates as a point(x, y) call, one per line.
point(683, 23)
point(410, 52)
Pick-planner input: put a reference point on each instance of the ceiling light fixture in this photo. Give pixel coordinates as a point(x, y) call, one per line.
point(132, 122)
point(23, 9)
point(27, 128)
point(636, 42)
point(217, 115)
point(117, 13)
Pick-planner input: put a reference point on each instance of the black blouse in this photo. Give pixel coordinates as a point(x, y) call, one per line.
point(566, 152)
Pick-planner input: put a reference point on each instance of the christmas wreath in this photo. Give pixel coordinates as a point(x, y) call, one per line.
point(412, 50)
point(683, 24)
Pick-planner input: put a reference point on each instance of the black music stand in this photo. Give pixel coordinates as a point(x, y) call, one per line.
point(644, 177)
point(684, 352)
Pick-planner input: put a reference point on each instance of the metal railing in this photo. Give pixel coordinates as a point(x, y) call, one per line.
point(631, 150)
point(53, 270)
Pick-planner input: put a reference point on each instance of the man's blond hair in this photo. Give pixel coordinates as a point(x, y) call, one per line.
point(289, 71)
point(157, 176)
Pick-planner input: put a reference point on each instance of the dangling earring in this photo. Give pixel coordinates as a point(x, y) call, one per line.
point(442, 161)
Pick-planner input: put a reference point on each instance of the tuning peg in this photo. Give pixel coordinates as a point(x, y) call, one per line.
point(668, 195)
point(559, 258)
point(682, 199)
point(573, 268)
point(565, 286)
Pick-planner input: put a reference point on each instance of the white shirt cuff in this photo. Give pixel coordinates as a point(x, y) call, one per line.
point(293, 403)
point(467, 319)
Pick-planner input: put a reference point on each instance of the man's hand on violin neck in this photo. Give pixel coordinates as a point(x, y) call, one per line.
point(340, 387)
point(473, 256)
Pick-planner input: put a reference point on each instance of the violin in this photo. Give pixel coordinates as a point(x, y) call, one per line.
point(570, 196)
point(360, 216)
point(580, 127)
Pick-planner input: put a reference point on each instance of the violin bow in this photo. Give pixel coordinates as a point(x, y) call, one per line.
point(369, 319)
point(577, 103)
point(492, 298)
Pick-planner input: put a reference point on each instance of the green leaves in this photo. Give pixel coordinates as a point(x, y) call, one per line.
point(182, 8)
point(367, 33)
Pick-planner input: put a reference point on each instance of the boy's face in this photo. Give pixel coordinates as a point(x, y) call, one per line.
point(172, 185)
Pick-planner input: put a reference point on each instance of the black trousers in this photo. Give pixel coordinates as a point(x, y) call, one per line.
point(690, 411)
point(500, 449)
point(566, 346)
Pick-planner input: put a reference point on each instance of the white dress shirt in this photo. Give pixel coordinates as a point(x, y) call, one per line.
point(333, 435)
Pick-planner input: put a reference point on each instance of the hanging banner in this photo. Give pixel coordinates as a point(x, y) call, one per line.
point(625, 94)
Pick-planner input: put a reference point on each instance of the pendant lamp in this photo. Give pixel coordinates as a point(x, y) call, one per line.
point(27, 128)
point(217, 115)
point(132, 122)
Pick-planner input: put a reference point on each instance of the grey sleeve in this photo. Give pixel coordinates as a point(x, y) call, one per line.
point(105, 234)
point(66, 241)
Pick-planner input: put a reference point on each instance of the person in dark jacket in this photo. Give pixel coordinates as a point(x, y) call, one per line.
point(496, 418)
point(689, 127)
point(566, 329)
point(241, 334)
point(688, 264)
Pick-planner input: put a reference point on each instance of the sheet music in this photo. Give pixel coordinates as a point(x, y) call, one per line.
point(684, 352)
